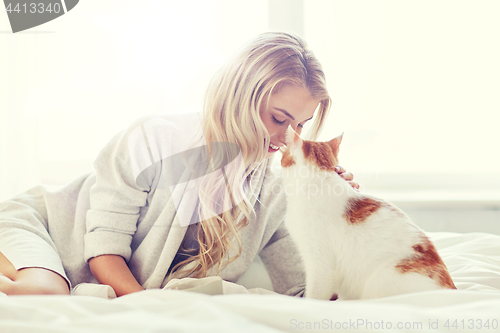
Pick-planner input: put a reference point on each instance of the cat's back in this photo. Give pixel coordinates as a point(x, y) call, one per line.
point(377, 231)
point(367, 211)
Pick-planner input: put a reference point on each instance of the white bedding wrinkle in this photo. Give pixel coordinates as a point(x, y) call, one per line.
point(474, 306)
point(473, 259)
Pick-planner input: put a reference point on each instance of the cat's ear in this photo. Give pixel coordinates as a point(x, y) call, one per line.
point(292, 138)
point(335, 142)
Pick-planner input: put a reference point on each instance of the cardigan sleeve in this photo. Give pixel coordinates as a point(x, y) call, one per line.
point(283, 263)
point(118, 194)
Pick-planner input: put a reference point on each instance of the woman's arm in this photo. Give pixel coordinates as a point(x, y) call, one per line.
point(116, 200)
point(113, 270)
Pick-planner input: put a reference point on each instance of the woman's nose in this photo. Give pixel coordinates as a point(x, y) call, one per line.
point(287, 132)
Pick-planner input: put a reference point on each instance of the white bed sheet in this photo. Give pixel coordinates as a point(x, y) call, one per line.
point(473, 260)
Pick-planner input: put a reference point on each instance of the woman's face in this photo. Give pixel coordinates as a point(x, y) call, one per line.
point(291, 105)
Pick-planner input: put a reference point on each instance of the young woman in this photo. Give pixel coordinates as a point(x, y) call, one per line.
point(164, 202)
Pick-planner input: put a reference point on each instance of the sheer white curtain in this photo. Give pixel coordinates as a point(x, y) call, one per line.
point(68, 86)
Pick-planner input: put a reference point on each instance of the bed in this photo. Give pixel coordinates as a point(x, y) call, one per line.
point(212, 305)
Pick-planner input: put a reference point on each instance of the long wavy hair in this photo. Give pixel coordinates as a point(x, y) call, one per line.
point(231, 114)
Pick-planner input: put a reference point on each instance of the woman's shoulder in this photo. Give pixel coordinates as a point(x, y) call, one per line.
point(166, 134)
point(140, 149)
point(175, 121)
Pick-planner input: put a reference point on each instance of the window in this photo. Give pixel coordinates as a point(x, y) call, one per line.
point(415, 88)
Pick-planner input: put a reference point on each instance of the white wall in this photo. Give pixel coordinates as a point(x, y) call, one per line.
point(68, 86)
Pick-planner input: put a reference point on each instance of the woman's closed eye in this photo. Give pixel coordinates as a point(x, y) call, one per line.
point(277, 121)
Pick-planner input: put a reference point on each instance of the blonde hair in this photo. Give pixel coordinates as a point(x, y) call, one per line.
point(231, 114)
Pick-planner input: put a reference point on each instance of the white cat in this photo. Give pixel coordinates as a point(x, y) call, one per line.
point(353, 245)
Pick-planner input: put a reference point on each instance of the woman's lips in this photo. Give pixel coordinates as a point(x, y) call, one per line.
point(273, 148)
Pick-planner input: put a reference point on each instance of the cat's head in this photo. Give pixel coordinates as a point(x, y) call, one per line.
point(323, 155)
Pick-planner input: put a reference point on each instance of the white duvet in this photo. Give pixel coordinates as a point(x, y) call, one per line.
point(216, 306)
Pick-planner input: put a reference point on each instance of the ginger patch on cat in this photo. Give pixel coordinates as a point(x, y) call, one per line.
point(320, 154)
point(427, 261)
point(358, 209)
point(287, 160)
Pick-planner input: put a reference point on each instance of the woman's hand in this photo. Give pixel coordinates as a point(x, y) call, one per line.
point(6, 284)
point(347, 176)
point(112, 270)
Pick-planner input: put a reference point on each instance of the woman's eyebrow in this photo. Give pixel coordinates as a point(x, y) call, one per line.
point(289, 115)
point(286, 113)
